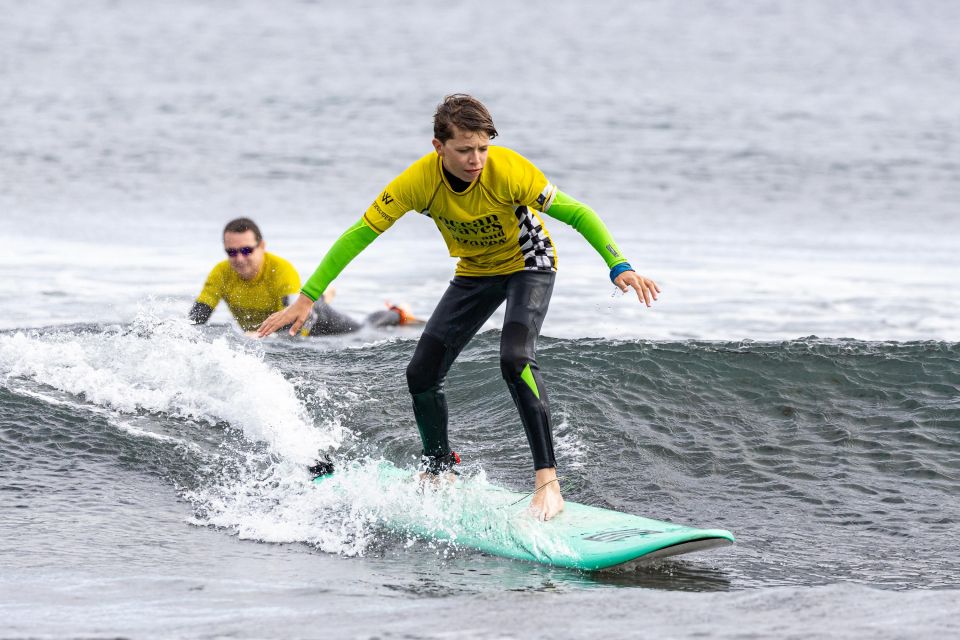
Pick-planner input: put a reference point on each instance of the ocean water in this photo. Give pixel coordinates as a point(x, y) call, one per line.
point(788, 172)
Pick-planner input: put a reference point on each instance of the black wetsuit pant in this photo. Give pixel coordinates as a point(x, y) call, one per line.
point(467, 304)
point(325, 320)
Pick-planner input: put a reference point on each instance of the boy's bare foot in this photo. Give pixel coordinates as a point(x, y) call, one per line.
point(547, 501)
point(433, 468)
point(433, 480)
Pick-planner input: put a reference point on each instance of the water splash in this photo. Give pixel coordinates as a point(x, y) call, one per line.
point(170, 367)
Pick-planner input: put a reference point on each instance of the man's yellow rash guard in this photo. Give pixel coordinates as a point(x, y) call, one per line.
point(493, 227)
point(251, 301)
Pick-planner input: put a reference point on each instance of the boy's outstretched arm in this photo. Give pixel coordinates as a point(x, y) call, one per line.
point(586, 221)
point(347, 247)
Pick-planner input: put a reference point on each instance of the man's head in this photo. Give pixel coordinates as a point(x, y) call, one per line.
point(244, 246)
point(462, 130)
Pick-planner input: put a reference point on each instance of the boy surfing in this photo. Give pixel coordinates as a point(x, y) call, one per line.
point(486, 202)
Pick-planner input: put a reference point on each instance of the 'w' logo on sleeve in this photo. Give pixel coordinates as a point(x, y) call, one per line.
point(386, 198)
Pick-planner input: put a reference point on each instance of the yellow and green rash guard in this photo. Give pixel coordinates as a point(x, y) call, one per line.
point(251, 301)
point(493, 226)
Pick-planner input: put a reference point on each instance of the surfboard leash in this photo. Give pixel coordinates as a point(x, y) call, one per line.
point(530, 495)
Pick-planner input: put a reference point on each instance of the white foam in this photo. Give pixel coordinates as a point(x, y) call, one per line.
point(345, 514)
point(166, 366)
point(282, 506)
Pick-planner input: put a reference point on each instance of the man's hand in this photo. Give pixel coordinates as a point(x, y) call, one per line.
point(296, 313)
point(646, 288)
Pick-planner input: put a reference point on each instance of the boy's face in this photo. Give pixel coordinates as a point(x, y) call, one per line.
point(464, 154)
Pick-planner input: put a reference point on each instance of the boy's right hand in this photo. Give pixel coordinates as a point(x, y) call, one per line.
point(297, 314)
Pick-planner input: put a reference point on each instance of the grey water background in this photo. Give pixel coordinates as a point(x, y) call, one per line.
point(788, 172)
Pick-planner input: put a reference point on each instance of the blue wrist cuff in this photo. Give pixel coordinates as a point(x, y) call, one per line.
point(618, 269)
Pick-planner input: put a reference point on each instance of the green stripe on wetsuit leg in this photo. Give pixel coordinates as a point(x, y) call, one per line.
point(347, 247)
point(586, 221)
point(527, 376)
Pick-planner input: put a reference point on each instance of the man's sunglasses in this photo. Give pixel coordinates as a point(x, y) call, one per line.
point(242, 250)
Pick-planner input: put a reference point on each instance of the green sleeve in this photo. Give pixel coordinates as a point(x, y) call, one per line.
point(588, 223)
point(346, 248)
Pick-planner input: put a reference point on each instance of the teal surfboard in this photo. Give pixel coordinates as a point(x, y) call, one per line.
point(473, 513)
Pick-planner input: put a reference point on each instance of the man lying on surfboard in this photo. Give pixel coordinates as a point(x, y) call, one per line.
point(255, 283)
point(486, 202)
